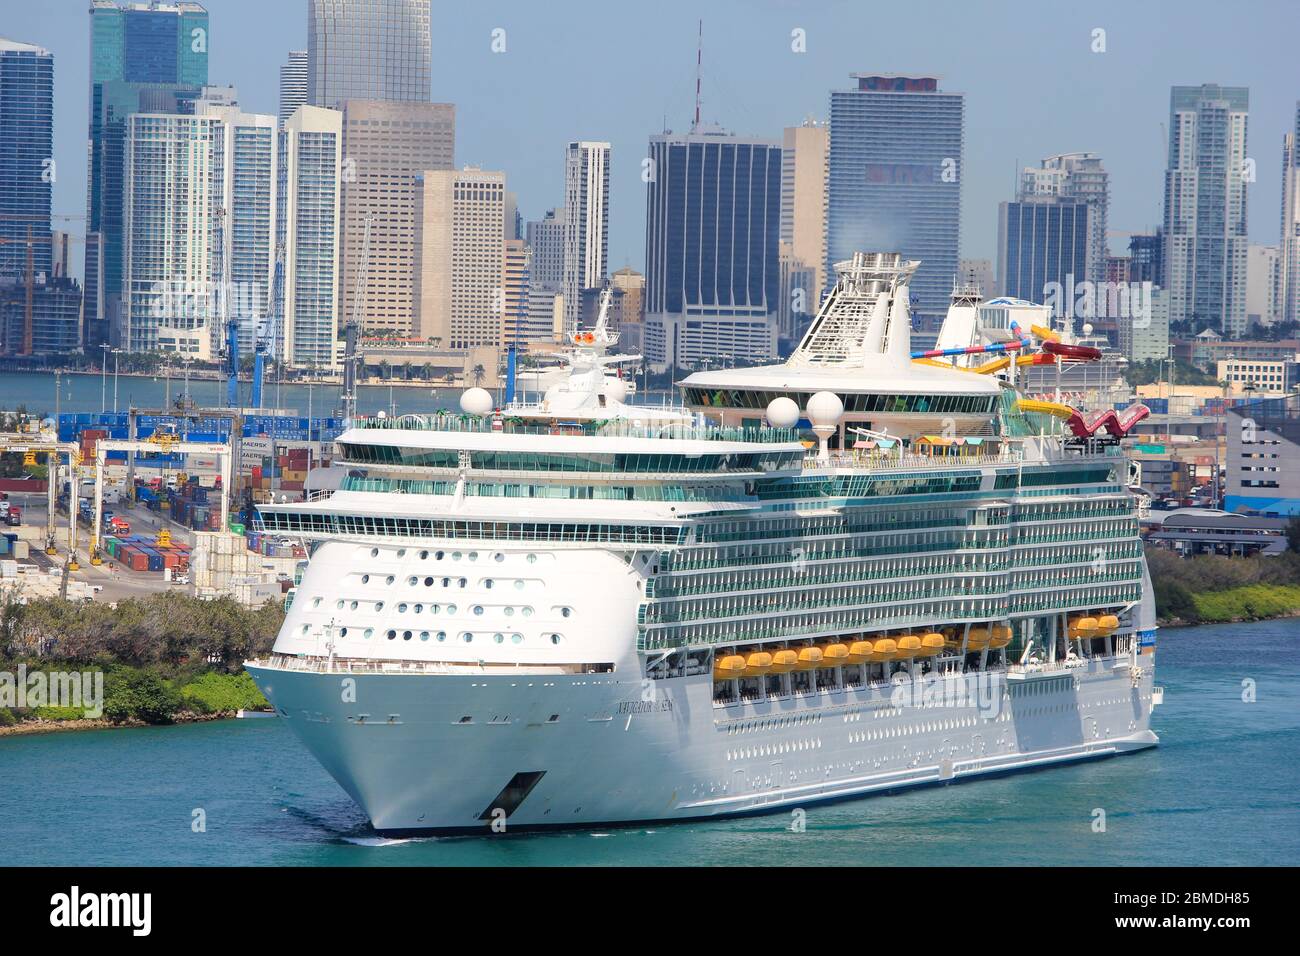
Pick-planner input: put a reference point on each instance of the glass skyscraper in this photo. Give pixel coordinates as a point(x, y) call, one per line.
point(1205, 207)
point(713, 229)
point(893, 179)
point(26, 151)
point(144, 58)
point(1041, 242)
point(367, 50)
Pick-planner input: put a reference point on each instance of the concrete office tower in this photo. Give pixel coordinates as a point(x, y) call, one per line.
point(308, 227)
point(1262, 268)
point(460, 282)
point(893, 181)
point(386, 147)
point(144, 58)
point(367, 50)
point(545, 239)
point(1044, 251)
point(631, 284)
point(172, 195)
point(26, 156)
point(293, 84)
point(1075, 177)
point(1289, 250)
point(1205, 207)
point(586, 222)
point(713, 221)
point(247, 167)
point(516, 325)
point(803, 200)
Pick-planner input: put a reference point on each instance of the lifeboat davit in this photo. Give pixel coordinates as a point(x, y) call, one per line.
point(931, 644)
point(1002, 635)
point(908, 645)
point(834, 654)
point(1107, 624)
point(784, 661)
point(885, 649)
point(725, 668)
point(810, 658)
point(859, 652)
point(757, 664)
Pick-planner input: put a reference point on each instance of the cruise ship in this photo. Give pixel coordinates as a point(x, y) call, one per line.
point(855, 572)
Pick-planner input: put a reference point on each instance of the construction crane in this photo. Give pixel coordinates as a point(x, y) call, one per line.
point(264, 346)
point(30, 272)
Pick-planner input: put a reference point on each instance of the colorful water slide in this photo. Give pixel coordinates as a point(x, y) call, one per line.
point(1080, 353)
point(1044, 333)
point(1087, 425)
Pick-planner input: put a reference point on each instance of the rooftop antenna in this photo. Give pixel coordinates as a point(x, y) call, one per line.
point(699, 70)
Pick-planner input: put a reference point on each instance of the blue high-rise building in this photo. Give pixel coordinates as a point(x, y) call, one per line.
point(144, 58)
point(713, 226)
point(1043, 250)
point(893, 179)
point(26, 151)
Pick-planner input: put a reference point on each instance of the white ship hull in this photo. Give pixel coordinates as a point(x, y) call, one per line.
point(606, 756)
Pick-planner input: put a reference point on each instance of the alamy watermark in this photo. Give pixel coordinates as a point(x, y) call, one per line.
point(1086, 299)
point(82, 690)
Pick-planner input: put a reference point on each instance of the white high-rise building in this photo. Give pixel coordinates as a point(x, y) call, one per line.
point(1075, 177)
point(1288, 278)
point(1262, 267)
point(311, 157)
point(460, 281)
point(586, 222)
point(171, 196)
point(247, 169)
point(293, 83)
point(1205, 207)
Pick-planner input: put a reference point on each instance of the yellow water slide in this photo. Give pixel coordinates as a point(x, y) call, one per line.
point(1046, 408)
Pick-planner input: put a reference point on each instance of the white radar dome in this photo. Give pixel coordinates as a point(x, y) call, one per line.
point(825, 409)
point(1087, 328)
point(782, 412)
point(476, 401)
point(615, 390)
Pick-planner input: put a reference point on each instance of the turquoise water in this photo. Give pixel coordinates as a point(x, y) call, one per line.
point(1223, 788)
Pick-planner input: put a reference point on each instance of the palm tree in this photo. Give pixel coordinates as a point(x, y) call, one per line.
point(478, 373)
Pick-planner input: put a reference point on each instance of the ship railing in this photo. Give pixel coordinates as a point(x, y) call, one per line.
point(908, 462)
point(348, 665)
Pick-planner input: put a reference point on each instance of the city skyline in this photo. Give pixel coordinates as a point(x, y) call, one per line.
point(563, 105)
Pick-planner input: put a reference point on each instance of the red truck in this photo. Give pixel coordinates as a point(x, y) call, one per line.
point(14, 516)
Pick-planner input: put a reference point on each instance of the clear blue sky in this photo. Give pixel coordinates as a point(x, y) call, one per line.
point(615, 70)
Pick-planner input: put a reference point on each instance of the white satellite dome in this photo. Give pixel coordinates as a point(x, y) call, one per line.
point(382, 414)
point(782, 412)
point(1087, 328)
point(476, 401)
point(615, 390)
point(825, 409)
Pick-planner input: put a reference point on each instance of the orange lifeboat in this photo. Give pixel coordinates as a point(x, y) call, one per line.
point(1083, 628)
point(885, 649)
point(810, 658)
point(859, 652)
point(931, 644)
point(834, 654)
point(783, 661)
point(978, 639)
point(726, 668)
point(1002, 634)
point(908, 645)
point(1107, 625)
point(757, 664)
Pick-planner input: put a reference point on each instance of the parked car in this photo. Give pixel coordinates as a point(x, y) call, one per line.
point(14, 516)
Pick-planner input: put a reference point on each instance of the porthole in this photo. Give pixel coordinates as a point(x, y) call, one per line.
point(374, 552)
point(556, 638)
point(451, 609)
point(532, 559)
point(487, 583)
point(438, 556)
point(442, 635)
point(519, 585)
point(516, 638)
point(392, 635)
point(412, 580)
point(389, 580)
point(510, 612)
point(469, 638)
point(455, 555)
point(478, 610)
point(401, 608)
point(379, 605)
point(353, 605)
point(419, 608)
point(498, 557)
point(365, 579)
point(528, 612)
point(343, 632)
point(306, 628)
point(401, 552)
point(339, 604)
point(424, 556)
point(428, 582)
point(435, 608)
point(473, 555)
point(499, 638)
point(446, 582)
point(424, 635)
point(566, 611)
point(406, 635)
point(315, 602)
point(463, 582)
point(369, 632)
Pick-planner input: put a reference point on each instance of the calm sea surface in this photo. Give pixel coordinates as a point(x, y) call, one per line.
point(1222, 788)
